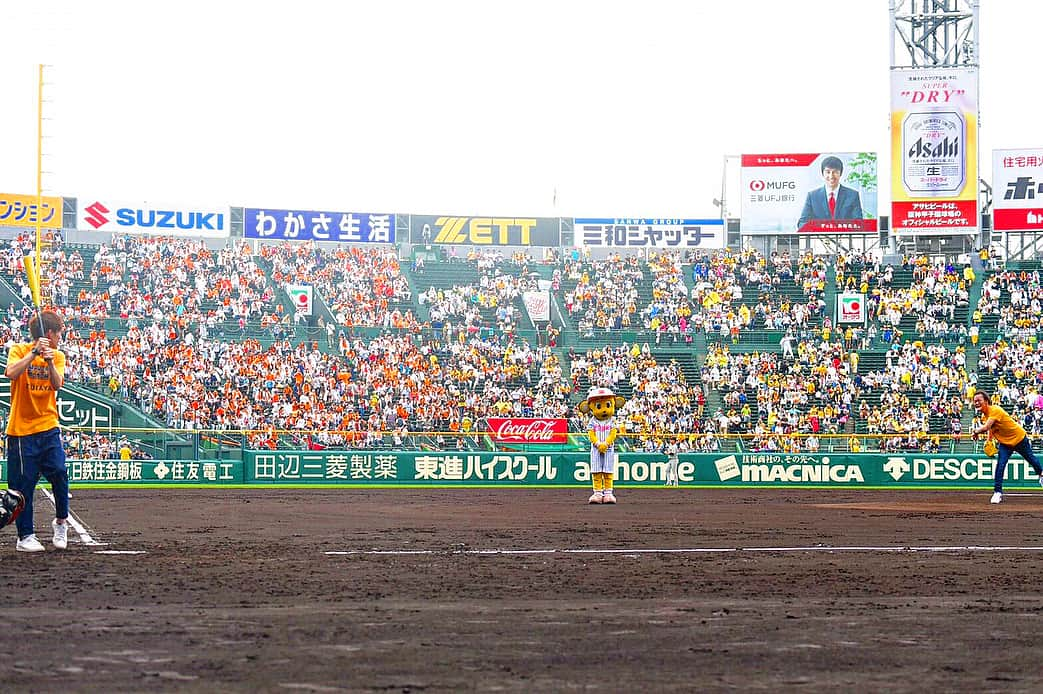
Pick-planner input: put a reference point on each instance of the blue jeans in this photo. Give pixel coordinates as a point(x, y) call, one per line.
point(1024, 447)
point(27, 458)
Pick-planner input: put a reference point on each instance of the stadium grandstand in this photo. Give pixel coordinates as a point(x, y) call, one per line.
point(199, 348)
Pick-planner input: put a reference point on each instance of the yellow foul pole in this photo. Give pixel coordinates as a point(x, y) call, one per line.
point(39, 161)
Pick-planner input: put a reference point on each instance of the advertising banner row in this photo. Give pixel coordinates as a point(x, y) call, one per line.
point(368, 468)
point(934, 170)
point(105, 214)
point(383, 227)
point(934, 190)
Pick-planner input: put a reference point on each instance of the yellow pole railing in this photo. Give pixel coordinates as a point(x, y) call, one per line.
point(39, 168)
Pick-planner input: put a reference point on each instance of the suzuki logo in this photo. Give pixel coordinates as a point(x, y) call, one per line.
point(96, 215)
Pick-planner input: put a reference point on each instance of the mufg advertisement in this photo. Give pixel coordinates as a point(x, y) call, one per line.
point(822, 193)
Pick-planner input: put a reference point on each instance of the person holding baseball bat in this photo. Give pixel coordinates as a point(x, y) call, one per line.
point(1009, 437)
point(34, 442)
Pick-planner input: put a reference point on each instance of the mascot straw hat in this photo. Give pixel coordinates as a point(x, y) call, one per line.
point(601, 393)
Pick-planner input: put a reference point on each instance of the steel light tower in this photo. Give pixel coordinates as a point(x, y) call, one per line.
point(928, 35)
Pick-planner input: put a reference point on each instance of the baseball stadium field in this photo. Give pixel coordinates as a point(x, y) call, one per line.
point(530, 590)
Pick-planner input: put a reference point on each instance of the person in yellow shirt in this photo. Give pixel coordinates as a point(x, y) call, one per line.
point(34, 441)
point(1009, 436)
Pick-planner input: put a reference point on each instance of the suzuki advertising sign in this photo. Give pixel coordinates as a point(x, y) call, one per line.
point(484, 231)
point(934, 150)
point(311, 225)
point(106, 214)
point(830, 193)
point(1017, 179)
point(649, 232)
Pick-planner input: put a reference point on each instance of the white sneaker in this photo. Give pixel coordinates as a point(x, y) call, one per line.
point(61, 534)
point(29, 544)
point(1041, 479)
point(996, 498)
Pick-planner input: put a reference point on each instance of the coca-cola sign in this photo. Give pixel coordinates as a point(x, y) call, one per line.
point(526, 430)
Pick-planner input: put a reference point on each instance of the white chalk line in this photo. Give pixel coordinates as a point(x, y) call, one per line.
point(690, 550)
point(74, 523)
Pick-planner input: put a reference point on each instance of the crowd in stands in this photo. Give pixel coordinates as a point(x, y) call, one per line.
point(1017, 366)
point(1016, 298)
point(660, 401)
point(183, 356)
point(605, 296)
point(821, 390)
point(486, 307)
point(669, 312)
point(361, 286)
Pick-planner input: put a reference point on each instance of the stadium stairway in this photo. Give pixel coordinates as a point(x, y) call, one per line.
point(445, 275)
point(686, 360)
point(8, 294)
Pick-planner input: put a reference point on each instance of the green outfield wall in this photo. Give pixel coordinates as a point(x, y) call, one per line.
point(450, 469)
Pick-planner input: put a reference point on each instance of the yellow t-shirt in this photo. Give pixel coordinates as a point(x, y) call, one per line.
point(1005, 429)
point(34, 407)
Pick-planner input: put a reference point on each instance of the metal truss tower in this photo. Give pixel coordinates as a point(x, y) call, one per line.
point(931, 34)
point(934, 33)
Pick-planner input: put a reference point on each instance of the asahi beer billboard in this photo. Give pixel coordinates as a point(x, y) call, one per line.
point(934, 151)
point(821, 192)
point(1017, 184)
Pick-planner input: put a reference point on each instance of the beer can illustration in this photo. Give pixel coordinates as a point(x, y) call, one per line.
point(934, 153)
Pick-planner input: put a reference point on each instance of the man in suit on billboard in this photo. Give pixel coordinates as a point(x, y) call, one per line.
point(832, 200)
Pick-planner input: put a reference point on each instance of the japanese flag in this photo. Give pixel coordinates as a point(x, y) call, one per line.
point(300, 296)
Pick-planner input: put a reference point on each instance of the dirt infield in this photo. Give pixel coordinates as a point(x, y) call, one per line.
point(494, 590)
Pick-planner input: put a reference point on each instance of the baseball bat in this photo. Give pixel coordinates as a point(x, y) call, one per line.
point(33, 277)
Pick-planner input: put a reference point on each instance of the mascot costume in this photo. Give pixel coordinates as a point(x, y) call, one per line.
point(601, 404)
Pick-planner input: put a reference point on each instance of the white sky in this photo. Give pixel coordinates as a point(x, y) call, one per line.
point(626, 108)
